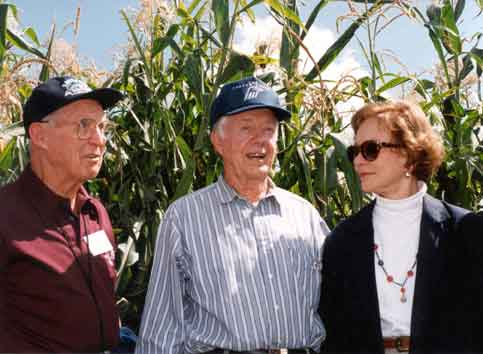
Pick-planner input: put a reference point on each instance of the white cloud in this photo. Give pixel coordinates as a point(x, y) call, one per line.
point(317, 42)
point(345, 65)
point(264, 31)
point(267, 31)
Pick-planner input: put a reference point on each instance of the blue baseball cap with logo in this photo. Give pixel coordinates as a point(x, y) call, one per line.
point(57, 92)
point(244, 95)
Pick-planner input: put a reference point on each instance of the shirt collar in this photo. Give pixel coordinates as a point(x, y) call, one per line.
point(228, 194)
point(413, 202)
point(44, 199)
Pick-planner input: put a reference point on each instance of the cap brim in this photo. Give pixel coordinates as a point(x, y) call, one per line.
point(107, 97)
point(280, 113)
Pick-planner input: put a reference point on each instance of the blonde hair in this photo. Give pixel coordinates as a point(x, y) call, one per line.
point(410, 127)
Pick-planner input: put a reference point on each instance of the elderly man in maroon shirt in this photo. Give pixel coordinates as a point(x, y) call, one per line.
point(56, 243)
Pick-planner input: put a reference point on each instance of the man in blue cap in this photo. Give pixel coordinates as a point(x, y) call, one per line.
point(237, 264)
point(57, 270)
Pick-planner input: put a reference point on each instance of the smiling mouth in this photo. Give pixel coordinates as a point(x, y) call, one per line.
point(256, 156)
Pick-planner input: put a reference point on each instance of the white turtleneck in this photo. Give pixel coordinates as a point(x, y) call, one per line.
point(396, 232)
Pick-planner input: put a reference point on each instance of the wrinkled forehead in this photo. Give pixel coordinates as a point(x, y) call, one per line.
point(78, 110)
point(255, 116)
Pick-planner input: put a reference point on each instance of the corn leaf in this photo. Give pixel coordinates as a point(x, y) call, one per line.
point(313, 16)
point(477, 55)
point(307, 174)
point(3, 29)
point(221, 14)
point(192, 70)
point(450, 34)
point(161, 43)
point(6, 155)
point(352, 180)
point(458, 11)
point(19, 42)
point(44, 73)
point(327, 172)
point(30, 32)
point(331, 54)
point(467, 67)
point(289, 50)
point(392, 83)
point(439, 50)
point(186, 182)
point(138, 46)
point(193, 6)
point(247, 8)
point(238, 66)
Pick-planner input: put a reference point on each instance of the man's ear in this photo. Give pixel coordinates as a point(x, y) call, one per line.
point(216, 141)
point(38, 135)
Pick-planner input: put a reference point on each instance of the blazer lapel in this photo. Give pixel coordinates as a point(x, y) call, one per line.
point(429, 257)
point(362, 259)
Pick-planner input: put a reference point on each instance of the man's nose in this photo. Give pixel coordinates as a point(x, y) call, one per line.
point(263, 136)
point(98, 136)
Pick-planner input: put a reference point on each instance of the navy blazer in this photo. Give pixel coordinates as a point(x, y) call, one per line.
point(447, 309)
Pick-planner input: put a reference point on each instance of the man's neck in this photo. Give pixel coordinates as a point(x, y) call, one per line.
point(57, 183)
point(252, 190)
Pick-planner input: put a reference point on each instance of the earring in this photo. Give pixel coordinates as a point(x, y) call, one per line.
point(407, 174)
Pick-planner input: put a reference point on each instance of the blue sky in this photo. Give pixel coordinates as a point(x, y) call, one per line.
point(101, 27)
point(102, 30)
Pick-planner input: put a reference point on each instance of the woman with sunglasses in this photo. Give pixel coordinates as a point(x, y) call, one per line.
point(405, 272)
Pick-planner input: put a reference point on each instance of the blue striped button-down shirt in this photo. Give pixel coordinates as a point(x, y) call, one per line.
point(232, 275)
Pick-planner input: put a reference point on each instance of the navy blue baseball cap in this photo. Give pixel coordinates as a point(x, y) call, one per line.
point(244, 95)
point(57, 92)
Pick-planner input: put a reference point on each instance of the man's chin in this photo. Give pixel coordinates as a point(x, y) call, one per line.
point(261, 173)
point(91, 172)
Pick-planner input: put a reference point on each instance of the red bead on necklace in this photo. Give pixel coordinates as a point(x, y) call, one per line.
point(390, 278)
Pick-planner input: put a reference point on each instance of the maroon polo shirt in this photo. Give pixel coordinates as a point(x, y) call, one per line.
point(48, 296)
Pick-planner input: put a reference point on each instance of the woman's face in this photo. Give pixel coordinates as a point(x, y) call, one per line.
point(386, 175)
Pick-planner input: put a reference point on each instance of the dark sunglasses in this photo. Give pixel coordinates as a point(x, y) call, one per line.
point(369, 149)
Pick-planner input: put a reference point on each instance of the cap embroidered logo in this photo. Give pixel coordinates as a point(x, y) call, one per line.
point(253, 92)
point(75, 87)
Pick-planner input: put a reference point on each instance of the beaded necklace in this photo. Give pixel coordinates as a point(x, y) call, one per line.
point(390, 278)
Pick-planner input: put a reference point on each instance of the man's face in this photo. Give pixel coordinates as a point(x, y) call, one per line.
point(247, 144)
point(77, 159)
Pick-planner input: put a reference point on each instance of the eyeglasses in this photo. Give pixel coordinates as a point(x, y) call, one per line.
point(86, 128)
point(370, 149)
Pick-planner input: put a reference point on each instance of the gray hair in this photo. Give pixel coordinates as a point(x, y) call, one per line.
point(218, 127)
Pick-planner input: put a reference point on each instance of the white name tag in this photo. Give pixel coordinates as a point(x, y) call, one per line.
point(98, 243)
